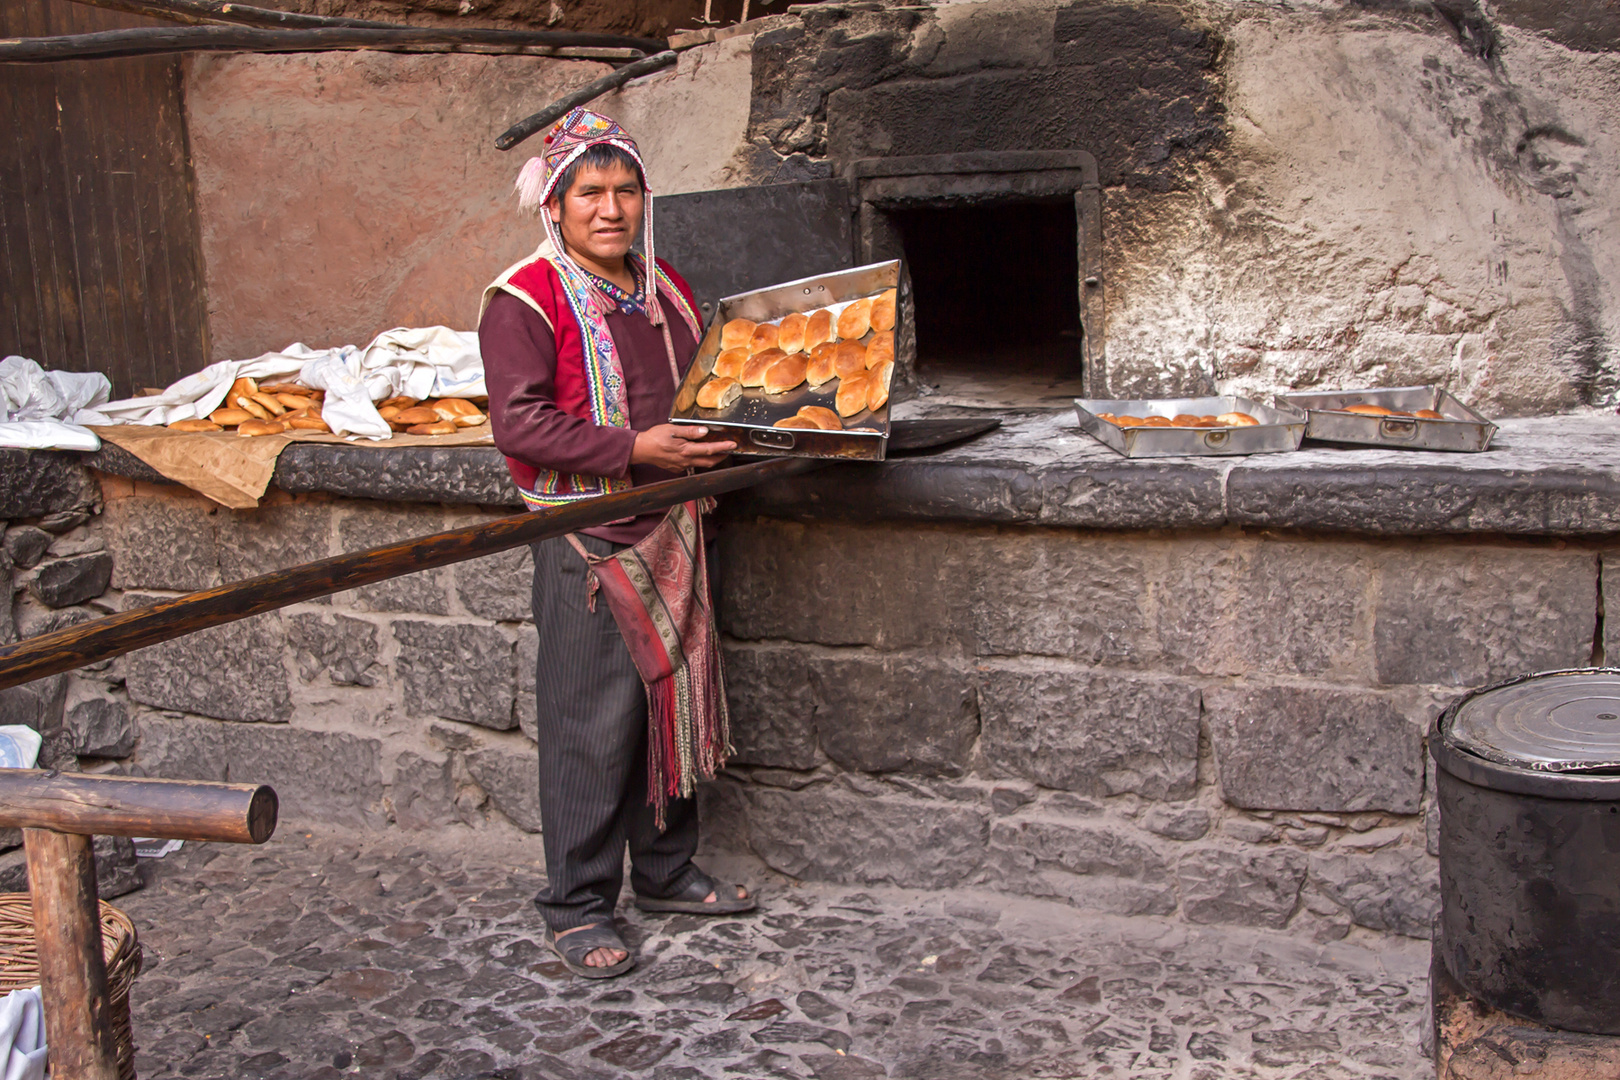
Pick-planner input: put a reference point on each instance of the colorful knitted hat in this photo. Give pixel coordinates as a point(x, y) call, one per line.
point(569, 138)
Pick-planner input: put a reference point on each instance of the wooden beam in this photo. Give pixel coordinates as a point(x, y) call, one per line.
point(205, 12)
point(584, 95)
point(72, 965)
point(151, 40)
point(95, 805)
point(74, 646)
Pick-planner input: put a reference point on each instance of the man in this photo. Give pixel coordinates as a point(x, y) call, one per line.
point(584, 343)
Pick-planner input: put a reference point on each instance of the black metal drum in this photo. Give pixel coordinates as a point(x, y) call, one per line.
point(1529, 789)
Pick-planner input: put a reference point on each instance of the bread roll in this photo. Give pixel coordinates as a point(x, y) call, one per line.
point(1429, 414)
point(1128, 421)
point(765, 335)
point(753, 372)
point(877, 394)
point(290, 401)
point(285, 388)
point(880, 349)
point(249, 428)
point(1235, 419)
point(247, 405)
point(269, 401)
point(473, 420)
point(817, 329)
point(451, 407)
point(1367, 410)
point(719, 393)
point(852, 393)
point(1184, 420)
point(399, 402)
point(229, 417)
point(417, 414)
point(194, 425)
point(241, 387)
point(883, 311)
point(388, 412)
point(821, 368)
point(306, 423)
point(786, 374)
point(729, 364)
point(803, 423)
point(790, 335)
point(823, 418)
point(438, 427)
point(736, 333)
point(855, 320)
point(1155, 421)
point(850, 359)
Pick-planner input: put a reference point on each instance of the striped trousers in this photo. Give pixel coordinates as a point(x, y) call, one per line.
point(592, 718)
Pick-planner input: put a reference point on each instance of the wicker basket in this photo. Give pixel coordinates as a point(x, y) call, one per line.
point(19, 964)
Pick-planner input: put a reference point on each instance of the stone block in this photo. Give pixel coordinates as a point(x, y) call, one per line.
point(230, 672)
point(1054, 592)
point(895, 714)
point(510, 775)
point(1178, 823)
point(117, 871)
point(343, 647)
point(64, 582)
point(422, 793)
point(273, 537)
point(1246, 888)
point(528, 659)
point(460, 671)
point(773, 707)
point(101, 727)
point(163, 542)
point(362, 527)
point(1096, 867)
point(828, 833)
point(1297, 748)
point(1093, 733)
point(319, 776)
point(834, 584)
point(38, 704)
point(37, 483)
point(1467, 616)
point(498, 587)
point(1395, 889)
point(80, 541)
point(26, 545)
point(473, 475)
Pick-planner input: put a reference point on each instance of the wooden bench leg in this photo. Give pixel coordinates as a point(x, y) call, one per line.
point(72, 966)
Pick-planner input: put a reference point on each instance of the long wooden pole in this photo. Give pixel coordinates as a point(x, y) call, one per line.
point(151, 40)
point(583, 96)
point(72, 966)
point(74, 646)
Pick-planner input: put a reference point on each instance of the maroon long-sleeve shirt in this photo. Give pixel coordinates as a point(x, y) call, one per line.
point(520, 368)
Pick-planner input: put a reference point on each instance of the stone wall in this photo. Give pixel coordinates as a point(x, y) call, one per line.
point(1223, 725)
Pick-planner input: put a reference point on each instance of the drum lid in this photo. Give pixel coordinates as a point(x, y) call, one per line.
point(1562, 721)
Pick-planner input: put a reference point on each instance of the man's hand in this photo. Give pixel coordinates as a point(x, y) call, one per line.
point(675, 447)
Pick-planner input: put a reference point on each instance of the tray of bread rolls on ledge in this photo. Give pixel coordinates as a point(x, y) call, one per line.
point(1404, 417)
point(799, 369)
point(1190, 427)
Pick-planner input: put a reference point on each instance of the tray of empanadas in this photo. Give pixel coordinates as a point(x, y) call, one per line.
point(801, 368)
point(1190, 427)
point(1407, 417)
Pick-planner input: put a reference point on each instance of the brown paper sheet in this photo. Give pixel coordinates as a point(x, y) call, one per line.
point(234, 470)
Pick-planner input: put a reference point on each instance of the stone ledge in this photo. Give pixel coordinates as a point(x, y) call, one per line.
point(1550, 476)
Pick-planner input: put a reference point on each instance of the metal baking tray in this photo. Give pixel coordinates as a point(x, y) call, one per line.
point(1462, 430)
point(1279, 428)
point(748, 422)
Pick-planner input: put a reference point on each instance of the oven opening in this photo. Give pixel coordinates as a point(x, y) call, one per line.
point(997, 301)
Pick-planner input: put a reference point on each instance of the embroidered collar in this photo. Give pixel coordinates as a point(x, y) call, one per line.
point(631, 303)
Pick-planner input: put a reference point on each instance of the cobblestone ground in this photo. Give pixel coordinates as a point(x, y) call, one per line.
point(318, 956)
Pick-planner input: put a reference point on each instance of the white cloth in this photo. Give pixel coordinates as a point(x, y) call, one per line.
point(45, 410)
point(19, 746)
point(22, 1035)
point(422, 362)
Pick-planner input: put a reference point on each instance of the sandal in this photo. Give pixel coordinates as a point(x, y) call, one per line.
point(574, 948)
point(689, 901)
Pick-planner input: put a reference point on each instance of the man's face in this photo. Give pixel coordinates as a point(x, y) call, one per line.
point(600, 215)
